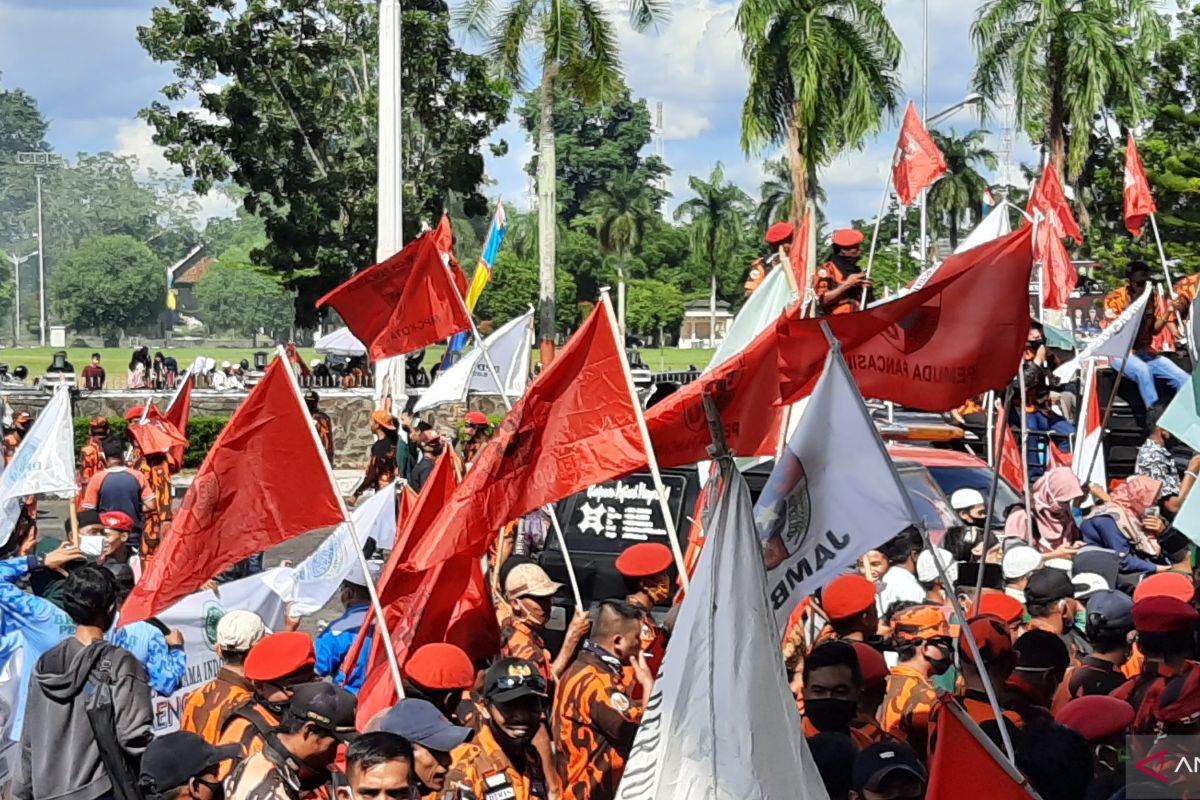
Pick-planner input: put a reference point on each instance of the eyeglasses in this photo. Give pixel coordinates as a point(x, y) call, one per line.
point(506, 682)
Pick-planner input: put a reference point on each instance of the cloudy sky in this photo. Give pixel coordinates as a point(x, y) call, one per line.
point(82, 62)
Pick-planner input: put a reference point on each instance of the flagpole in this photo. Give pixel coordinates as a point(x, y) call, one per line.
point(989, 401)
point(652, 460)
point(1108, 407)
point(1162, 257)
point(875, 234)
point(990, 508)
point(377, 607)
point(1024, 440)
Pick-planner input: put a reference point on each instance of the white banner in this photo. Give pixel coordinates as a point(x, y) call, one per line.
point(832, 496)
point(770, 299)
point(509, 348)
point(44, 462)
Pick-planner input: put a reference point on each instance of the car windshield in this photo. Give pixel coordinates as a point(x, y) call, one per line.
point(927, 500)
point(952, 478)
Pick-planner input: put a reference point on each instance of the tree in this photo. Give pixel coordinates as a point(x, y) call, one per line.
point(1067, 61)
point(653, 306)
point(822, 75)
point(775, 195)
point(514, 282)
point(619, 215)
point(22, 128)
point(110, 284)
point(717, 218)
point(238, 296)
point(577, 48)
point(959, 193)
point(279, 96)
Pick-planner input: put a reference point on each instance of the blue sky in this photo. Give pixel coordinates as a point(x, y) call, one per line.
point(81, 60)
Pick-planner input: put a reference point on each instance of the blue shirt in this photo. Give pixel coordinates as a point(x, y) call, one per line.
point(165, 665)
point(1102, 531)
point(334, 643)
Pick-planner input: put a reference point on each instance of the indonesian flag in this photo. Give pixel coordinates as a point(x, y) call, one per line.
point(263, 482)
point(1050, 200)
point(1011, 465)
point(917, 162)
point(409, 301)
point(1139, 203)
point(963, 749)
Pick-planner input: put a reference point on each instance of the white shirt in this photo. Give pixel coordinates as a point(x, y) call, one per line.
point(898, 584)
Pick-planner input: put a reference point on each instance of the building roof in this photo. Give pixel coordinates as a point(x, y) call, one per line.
point(191, 275)
point(701, 303)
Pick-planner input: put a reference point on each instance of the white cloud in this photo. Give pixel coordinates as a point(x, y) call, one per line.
point(134, 138)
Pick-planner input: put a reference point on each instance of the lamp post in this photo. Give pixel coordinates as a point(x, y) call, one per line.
point(971, 99)
point(37, 159)
point(17, 261)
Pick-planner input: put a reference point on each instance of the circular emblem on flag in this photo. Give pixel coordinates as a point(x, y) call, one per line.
point(797, 515)
point(202, 499)
point(209, 618)
point(914, 330)
point(325, 561)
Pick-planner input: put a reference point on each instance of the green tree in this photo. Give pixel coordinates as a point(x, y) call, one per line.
point(1067, 62)
point(619, 215)
point(653, 306)
point(823, 73)
point(958, 194)
point(717, 218)
point(279, 96)
point(238, 296)
point(576, 46)
point(22, 128)
point(515, 282)
point(109, 284)
point(775, 195)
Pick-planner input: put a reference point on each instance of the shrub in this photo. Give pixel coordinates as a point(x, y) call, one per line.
point(202, 433)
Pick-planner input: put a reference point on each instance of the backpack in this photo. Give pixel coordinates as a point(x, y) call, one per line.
point(101, 713)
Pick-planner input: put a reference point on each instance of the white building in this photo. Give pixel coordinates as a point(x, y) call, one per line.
point(695, 331)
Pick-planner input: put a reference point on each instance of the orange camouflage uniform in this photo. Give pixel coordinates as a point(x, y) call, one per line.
point(158, 478)
point(907, 706)
point(91, 461)
point(247, 725)
point(1116, 301)
point(480, 770)
point(594, 723)
point(979, 709)
point(208, 708)
point(829, 277)
point(864, 731)
point(519, 639)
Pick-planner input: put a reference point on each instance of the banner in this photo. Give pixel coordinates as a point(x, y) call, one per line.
point(1114, 341)
point(44, 462)
point(509, 348)
point(760, 311)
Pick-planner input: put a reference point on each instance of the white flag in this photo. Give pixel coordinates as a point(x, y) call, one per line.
point(1115, 341)
point(990, 228)
point(770, 299)
point(310, 585)
point(509, 348)
point(832, 496)
point(721, 723)
point(1089, 445)
point(44, 462)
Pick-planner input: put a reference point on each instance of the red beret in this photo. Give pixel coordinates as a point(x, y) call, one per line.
point(440, 665)
point(847, 596)
point(870, 662)
point(1165, 584)
point(1163, 615)
point(645, 559)
point(117, 520)
point(476, 418)
point(991, 636)
point(780, 232)
point(847, 237)
point(1096, 716)
point(278, 655)
point(998, 604)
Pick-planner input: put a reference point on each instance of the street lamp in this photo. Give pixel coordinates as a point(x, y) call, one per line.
point(17, 261)
point(971, 99)
point(38, 158)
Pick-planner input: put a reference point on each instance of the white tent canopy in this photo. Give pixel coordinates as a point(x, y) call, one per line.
point(340, 342)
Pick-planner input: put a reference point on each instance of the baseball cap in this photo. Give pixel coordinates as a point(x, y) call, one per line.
point(1020, 561)
point(1109, 611)
point(1088, 583)
point(325, 705)
point(530, 580)
point(1041, 650)
point(356, 576)
point(1098, 561)
point(440, 665)
point(919, 623)
point(927, 569)
point(117, 520)
point(1165, 584)
point(847, 595)
point(1047, 585)
point(239, 630)
point(421, 723)
point(513, 678)
point(881, 759)
point(965, 498)
point(173, 759)
point(279, 655)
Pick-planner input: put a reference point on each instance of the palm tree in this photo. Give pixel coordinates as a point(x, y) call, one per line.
point(716, 217)
point(960, 191)
point(822, 75)
point(1066, 61)
point(578, 47)
point(620, 213)
point(775, 194)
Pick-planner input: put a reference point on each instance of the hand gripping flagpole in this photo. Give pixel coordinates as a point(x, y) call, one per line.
point(655, 475)
point(919, 523)
point(376, 606)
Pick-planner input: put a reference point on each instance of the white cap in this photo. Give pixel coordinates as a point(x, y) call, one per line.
point(965, 498)
point(1086, 583)
point(239, 630)
point(927, 570)
point(225, 365)
point(356, 576)
point(1019, 561)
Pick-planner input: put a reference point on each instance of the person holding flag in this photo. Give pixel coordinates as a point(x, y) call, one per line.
point(1144, 363)
point(839, 282)
point(779, 240)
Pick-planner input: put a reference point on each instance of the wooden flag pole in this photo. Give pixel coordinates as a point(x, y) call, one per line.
point(1162, 257)
point(652, 460)
point(376, 606)
point(875, 236)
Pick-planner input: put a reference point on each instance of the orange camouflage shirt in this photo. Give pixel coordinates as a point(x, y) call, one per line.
point(594, 722)
point(519, 639)
point(907, 706)
point(828, 277)
point(208, 708)
point(247, 725)
point(480, 770)
point(158, 478)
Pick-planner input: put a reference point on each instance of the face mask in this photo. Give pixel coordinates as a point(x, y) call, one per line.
point(91, 546)
point(830, 714)
point(939, 665)
point(217, 788)
point(659, 592)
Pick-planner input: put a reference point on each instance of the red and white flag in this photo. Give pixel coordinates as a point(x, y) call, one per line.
point(1139, 203)
point(264, 481)
point(917, 162)
point(1089, 445)
point(1049, 199)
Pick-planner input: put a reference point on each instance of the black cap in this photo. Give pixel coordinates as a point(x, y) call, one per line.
point(1098, 561)
point(1109, 611)
point(172, 760)
point(1047, 585)
point(513, 678)
point(421, 723)
point(326, 706)
point(879, 760)
point(1039, 650)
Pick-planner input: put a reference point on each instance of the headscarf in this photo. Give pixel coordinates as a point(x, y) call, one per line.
point(1128, 505)
point(1052, 497)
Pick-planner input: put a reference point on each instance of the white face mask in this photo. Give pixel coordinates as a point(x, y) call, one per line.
point(91, 546)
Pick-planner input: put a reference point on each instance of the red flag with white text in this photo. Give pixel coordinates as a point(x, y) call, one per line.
point(1050, 200)
point(917, 162)
point(1139, 202)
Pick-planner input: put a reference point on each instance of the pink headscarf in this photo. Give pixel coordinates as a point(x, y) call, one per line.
point(1052, 497)
point(1129, 503)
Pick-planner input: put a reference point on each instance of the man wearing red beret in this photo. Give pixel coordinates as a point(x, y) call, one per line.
point(849, 603)
point(646, 569)
point(839, 283)
point(779, 239)
point(274, 666)
point(1166, 633)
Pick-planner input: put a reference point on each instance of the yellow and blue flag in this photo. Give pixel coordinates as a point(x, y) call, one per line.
point(481, 277)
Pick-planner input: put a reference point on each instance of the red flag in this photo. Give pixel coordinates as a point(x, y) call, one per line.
point(156, 435)
point(917, 162)
point(576, 426)
point(244, 499)
point(1010, 464)
point(404, 303)
point(1050, 200)
point(1059, 275)
point(960, 335)
point(178, 414)
point(962, 750)
point(443, 236)
point(1139, 203)
point(798, 253)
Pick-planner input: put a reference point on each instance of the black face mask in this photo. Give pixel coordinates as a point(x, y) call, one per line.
point(216, 787)
point(940, 665)
point(830, 714)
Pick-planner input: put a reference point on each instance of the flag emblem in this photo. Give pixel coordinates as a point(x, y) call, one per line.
point(913, 331)
point(202, 502)
point(209, 618)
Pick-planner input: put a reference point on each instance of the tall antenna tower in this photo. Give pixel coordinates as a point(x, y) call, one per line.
point(1007, 141)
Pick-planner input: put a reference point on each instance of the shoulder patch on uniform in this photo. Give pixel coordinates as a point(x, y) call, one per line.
point(619, 701)
point(497, 779)
point(822, 273)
